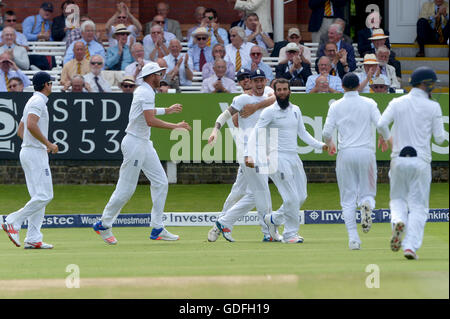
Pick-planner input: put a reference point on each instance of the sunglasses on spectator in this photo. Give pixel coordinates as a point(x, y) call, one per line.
point(159, 22)
point(255, 53)
point(210, 18)
point(128, 86)
point(50, 83)
point(11, 20)
point(121, 17)
point(202, 38)
point(12, 86)
point(381, 87)
point(292, 52)
point(96, 63)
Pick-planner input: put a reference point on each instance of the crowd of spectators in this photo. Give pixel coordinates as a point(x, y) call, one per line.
point(215, 51)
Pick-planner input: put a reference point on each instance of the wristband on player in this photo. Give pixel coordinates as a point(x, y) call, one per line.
point(160, 110)
point(225, 116)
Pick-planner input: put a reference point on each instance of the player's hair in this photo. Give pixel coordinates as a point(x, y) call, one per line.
point(281, 81)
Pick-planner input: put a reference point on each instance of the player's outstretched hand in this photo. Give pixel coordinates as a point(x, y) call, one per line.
point(249, 162)
point(330, 148)
point(176, 108)
point(213, 137)
point(53, 148)
point(184, 125)
point(384, 145)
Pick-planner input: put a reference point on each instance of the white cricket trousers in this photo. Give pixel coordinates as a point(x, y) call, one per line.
point(38, 177)
point(290, 180)
point(356, 172)
point(237, 192)
point(256, 193)
point(138, 154)
point(410, 179)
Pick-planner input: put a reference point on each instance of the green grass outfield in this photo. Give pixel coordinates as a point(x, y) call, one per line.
point(90, 199)
point(322, 267)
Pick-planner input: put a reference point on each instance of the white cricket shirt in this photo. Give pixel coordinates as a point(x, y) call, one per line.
point(36, 105)
point(355, 118)
point(288, 124)
point(143, 99)
point(416, 118)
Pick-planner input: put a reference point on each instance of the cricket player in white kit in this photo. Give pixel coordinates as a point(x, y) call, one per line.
point(33, 129)
point(416, 119)
point(255, 187)
point(139, 154)
point(285, 167)
point(355, 117)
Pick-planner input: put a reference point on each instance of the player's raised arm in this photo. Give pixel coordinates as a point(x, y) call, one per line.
point(220, 121)
point(153, 121)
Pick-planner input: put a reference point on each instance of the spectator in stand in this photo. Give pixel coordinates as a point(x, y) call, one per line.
point(77, 85)
point(96, 81)
point(365, 45)
point(37, 28)
point(370, 71)
point(156, 44)
point(127, 85)
point(256, 54)
point(238, 51)
point(386, 69)
point(92, 46)
point(218, 52)
point(219, 83)
point(179, 67)
point(379, 39)
point(324, 37)
point(216, 34)
point(322, 85)
point(19, 53)
point(169, 25)
point(9, 70)
point(134, 69)
point(279, 49)
point(198, 15)
point(163, 87)
point(432, 26)
point(322, 16)
point(119, 56)
point(334, 81)
point(123, 16)
point(79, 65)
point(260, 7)
point(15, 85)
point(10, 20)
point(200, 53)
point(379, 86)
point(339, 64)
point(296, 70)
point(172, 78)
point(335, 34)
point(255, 34)
point(59, 29)
point(240, 22)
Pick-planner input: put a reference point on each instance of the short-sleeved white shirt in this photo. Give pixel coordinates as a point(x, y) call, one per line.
point(143, 99)
point(36, 105)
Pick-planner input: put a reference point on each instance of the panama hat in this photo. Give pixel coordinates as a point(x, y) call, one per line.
point(370, 58)
point(378, 34)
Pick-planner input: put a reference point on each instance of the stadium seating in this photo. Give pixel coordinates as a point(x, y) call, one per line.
point(57, 49)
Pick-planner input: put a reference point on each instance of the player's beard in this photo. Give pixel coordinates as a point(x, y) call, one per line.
point(283, 103)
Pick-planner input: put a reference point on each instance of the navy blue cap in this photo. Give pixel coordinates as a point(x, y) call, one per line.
point(41, 78)
point(47, 6)
point(350, 81)
point(258, 73)
point(242, 72)
point(408, 151)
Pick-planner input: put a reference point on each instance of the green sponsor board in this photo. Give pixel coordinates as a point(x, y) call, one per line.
point(201, 111)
